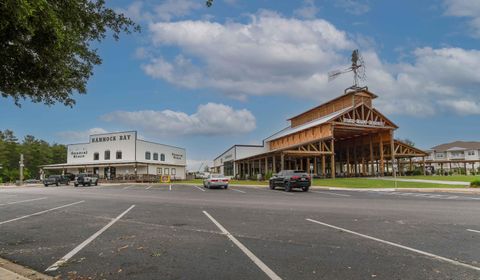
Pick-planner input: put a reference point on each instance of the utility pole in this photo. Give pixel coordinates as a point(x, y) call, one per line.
point(21, 169)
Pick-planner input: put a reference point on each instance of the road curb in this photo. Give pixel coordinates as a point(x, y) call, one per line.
point(13, 271)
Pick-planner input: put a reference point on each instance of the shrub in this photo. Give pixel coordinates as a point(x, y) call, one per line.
point(475, 183)
point(417, 172)
point(268, 175)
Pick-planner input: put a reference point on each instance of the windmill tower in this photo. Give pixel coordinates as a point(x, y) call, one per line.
point(358, 70)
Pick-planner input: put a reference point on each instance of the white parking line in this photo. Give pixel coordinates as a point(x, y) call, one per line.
point(41, 212)
point(170, 187)
point(237, 190)
point(21, 201)
point(331, 193)
point(245, 250)
point(472, 230)
point(77, 249)
point(399, 246)
point(127, 187)
point(148, 187)
point(199, 188)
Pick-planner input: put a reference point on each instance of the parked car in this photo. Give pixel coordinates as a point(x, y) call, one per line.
point(85, 179)
point(290, 179)
point(216, 181)
point(56, 180)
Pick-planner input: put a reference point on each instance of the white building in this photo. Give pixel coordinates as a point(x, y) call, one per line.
point(455, 155)
point(121, 155)
point(224, 163)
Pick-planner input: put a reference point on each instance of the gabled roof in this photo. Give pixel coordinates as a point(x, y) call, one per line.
point(319, 121)
point(459, 145)
point(336, 98)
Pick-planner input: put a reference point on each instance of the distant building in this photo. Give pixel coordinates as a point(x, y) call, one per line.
point(121, 155)
point(455, 155)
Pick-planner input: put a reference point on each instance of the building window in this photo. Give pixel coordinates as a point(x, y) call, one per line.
point(107, 155)
point(147, 155)
point(166, 171)
point(174, 172)
point(162, 157)
point(159, 171)
point(471, 153)
point(119, 155)
point(155, 156)
point(96, 156)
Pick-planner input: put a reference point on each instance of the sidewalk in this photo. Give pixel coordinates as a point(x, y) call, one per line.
point(461, 183)
point(12, 271)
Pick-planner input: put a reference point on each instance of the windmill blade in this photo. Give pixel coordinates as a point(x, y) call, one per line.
point(332, 75)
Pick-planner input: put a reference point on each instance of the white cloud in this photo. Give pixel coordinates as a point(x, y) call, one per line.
point(308, 10)
point(468, 9)
point(167, 10)
point(274, 55)
point(354, 7)
point(79, 136)
point(269, 55)
point(210, 119)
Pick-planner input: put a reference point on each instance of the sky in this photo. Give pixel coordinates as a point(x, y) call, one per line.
point(208, 78)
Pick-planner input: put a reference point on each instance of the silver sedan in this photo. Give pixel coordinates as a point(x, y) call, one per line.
point(216, 181)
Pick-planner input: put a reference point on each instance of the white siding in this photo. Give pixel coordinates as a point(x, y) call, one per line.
point(173, 155)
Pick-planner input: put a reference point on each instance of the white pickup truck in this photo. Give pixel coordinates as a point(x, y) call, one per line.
point(85, 179)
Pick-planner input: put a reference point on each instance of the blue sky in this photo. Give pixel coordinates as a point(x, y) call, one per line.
point(208, 78)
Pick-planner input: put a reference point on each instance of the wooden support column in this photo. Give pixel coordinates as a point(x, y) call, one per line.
point(315, 166)
point(266, 165)
point(372, 166)
point(274, 165)
point(410, 168)
point(382, 162)
point(332, 148)
point(348, 161)
point(323, 165)
point(282, 161)
point(355, 158)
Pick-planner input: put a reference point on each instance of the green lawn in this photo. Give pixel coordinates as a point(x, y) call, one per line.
point(458, 178)
point(346, 183)
point(375, 183)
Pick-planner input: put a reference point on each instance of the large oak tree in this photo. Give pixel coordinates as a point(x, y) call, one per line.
point(46, 52)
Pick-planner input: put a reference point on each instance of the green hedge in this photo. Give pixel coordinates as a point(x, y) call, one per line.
point(475, 183)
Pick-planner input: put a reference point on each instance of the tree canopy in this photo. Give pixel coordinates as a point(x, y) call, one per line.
point(36, 153)
point(46, 52)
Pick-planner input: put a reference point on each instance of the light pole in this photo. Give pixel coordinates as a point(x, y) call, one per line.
point(21, 169)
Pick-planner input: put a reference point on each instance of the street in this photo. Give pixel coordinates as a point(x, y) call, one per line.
point(188, 232)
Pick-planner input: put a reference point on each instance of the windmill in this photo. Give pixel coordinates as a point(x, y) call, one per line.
point(358, 69)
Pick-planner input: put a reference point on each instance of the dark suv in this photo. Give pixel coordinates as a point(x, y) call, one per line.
point(290, 179)
point(56, 180)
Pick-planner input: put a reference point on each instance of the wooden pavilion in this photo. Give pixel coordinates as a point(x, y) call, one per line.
point(343, 137)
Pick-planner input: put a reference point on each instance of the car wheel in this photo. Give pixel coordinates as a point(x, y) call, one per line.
point(76, 185)
point(89, 184)
point(56, 184)
point(46, 185)
point(96, 183)
point(68, 183)
point(226, 186)
point(271, 185)
point(288, 187)
point(83, 184)
point(305, 189)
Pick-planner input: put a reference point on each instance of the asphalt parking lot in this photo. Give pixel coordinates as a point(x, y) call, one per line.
point(188, 232)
